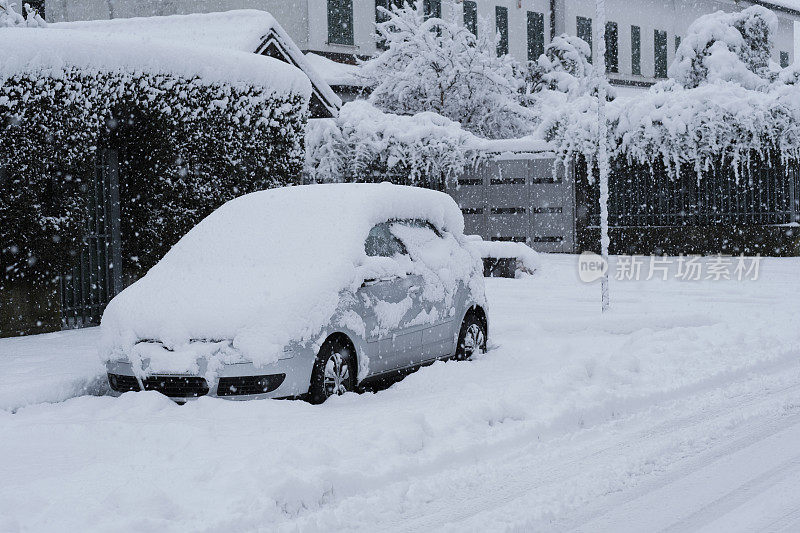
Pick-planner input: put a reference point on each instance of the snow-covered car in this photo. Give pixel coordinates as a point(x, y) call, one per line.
point(306, 291)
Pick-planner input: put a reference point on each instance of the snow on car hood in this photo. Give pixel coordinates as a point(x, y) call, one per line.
point(266, 268)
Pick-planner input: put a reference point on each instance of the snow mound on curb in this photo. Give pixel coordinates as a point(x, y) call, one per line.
point(51, 50)
point(527, 259)
point(267, 268)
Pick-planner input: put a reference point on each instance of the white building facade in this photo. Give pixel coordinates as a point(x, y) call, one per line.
point(642, 34)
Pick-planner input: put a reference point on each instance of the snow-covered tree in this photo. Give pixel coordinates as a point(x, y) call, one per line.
point(431, 64)
point(563, 67)
point(10, 18)
point(727, 47)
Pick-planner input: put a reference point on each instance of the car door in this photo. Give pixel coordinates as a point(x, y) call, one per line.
point(429, 251)
point(390, 304)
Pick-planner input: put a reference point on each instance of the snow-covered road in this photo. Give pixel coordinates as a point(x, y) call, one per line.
point(678, 411)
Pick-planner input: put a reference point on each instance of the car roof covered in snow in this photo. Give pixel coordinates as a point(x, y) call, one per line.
point(267, 268)
point(244, 30)
point(36, 49)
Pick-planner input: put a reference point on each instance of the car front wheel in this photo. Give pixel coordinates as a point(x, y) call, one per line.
point(471, 339)
point(333, 374)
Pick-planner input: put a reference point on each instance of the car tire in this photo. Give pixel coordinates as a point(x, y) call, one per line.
point(334, 372)
point(472, 338)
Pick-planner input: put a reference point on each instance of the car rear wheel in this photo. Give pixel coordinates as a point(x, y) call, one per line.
point(334, 372)
point(471, 339)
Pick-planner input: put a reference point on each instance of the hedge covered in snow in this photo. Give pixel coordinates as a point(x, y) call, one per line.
point(365, 144)
point(186, 144)
point(725, 104)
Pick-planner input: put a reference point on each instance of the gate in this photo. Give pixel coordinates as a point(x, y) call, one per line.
point(525, 198)
point(96, 276)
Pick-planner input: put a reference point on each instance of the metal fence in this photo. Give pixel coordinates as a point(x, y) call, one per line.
point(766, 193)
point(96, 276)
point(519, 197)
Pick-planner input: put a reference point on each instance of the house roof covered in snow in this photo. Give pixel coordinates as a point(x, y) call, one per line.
point(333, 72)
point(36, 49)
point(244, 30)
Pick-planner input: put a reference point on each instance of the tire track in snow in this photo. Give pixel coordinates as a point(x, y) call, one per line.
point(697, 466)
point(467, 494)
point(523, 477)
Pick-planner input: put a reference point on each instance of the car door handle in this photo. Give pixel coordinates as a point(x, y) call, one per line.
point(372, 281)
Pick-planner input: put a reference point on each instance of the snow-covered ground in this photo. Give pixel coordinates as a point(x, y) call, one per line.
point(50, 368)
point(680, 409)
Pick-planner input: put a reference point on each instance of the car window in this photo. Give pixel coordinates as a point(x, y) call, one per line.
point(420, 238)
point(418, 223)
point(381, 243)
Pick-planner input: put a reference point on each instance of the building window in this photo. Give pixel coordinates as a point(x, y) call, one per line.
point(660, 54)
point(784, 59)
point(535, 35)
point(471, 17)
point(340, 21)
point(636, 50)
point(677, 42)
point(585, 32)
point(612, 47)
point(501, 18)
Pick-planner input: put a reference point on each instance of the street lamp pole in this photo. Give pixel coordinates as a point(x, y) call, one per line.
point(602, 145)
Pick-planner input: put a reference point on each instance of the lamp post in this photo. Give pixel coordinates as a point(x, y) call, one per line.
point(602, 145)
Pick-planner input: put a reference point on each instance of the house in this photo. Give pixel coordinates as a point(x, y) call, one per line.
point(642, 34)
point(249, 31)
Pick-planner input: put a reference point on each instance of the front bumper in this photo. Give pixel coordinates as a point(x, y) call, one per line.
point(285, 378)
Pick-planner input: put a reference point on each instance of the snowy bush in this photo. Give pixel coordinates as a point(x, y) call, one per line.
point(365, 144)
point(728, 47)
point(720, 123)
point(563, 67)
point(185, 147)
point(438, 65)
point(725, 105)
point(10, 18)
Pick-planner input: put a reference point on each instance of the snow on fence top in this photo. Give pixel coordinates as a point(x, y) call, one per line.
point(34, 50)
point(243, 30)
